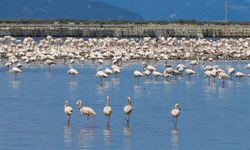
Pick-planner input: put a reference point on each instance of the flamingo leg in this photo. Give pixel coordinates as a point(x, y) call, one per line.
point(87, 124)
point(125, 118)
point(93, 120)
point(175, 122)
point(107, 121)
point(128, 118)
point(68, 119)
point(223, 83)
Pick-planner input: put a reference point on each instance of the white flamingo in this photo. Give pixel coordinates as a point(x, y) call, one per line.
point(193, 63)
point(49, 62)
point(107, 111)
point(223, 76)
point(67, 111)
point(208, 74)
point(127, 110)
point(175, 112)
point(230, 71)
point(116, 69)
point(101, 74)
point(15, 70)
point(190, 72)
point(150, 68)
point(156, 74)
point(138, 74)
point(108, 71)
point(239, 75)
point(72, 72)
point(88, 111)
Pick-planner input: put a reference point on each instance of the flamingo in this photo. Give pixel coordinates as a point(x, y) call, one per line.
point(175, 112)
point(49, 62)
point(108, 71)
point(101, 74)
point(239, 75)
point(15, 70)
point(88, 111)
point(127, 110)
point(138, 74)
point(230, 71)
point(116, 69)
point(166, 75)
point(190, 72)
point(67, 111)
point(107, 111)
point(193, 63)
point(208, 75)
point(223, 76)
point(150, 68)
point(72, 72)
point(156, 74)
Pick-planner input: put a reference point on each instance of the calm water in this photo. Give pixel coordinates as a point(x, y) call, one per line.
point(212, 117)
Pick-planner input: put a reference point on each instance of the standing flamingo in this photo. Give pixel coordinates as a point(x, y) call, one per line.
point(67, 111)
point(175, 112)
point(239, 75)
point(230, 71)
point(49, 62)
point(138, 74)
point(15, 70)
point(72, 72)
point(107, 111)
point(101, 74)
point(88, 111)
point(190, 72)
point(127, 110)
point(223, 76)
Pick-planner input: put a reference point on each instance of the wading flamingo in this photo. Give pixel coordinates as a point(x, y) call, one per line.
point(175, 112)
point(127, 110)
point(88, 111)
point(107, 111)
point(67, 111)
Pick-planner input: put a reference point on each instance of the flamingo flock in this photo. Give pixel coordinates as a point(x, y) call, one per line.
point(211, 72)
point(50, 50)
point(89, 112)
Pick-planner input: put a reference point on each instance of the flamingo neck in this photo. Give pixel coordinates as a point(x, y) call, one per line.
point(129, 103)
point(107, 102)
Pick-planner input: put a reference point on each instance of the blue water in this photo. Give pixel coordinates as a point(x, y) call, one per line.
point(212, 117)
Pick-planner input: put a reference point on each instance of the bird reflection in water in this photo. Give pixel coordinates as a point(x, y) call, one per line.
point(15, 84)
point(67, 135)
point(127, 130)
point(106, 136)
point(139, 88)
point(115, 81)
point(174, 138)
point(127, 137)
point(73, 84)
point(86, 138)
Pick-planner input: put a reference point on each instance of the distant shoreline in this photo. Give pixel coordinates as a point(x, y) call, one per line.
point(124, 29)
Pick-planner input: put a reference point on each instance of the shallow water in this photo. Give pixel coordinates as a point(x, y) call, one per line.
point(212, 117)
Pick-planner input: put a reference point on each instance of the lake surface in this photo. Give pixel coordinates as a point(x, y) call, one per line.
point(212, 117)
